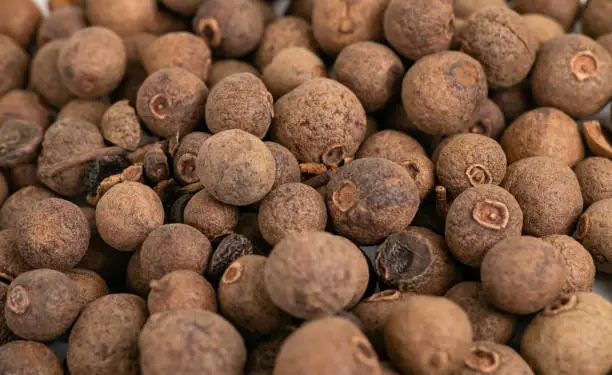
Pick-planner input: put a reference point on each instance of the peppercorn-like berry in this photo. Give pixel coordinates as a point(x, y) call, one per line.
point(109, 325)
point(595, 177)
point(302, 8)
point(448, 332)
point(20, 203)
point(14, 63)
point(514, 101)
point(41, 305)
point(606, 41)
point(487, 322)
point(564, 11)
point(183, 7)
point(595, 18)
point(232, 28)
point(178, 50)
point(127, 213)
point(165, 21)
point(463, 9)
point(593, 232)
point(573, 73)
point(192, 342)
point(572, 335)
point(262, 355)
point(11, 263)
point(310, 274)
point(24, 105)
point(86, 110)
point(211, 217)
point(28, 357)
point(180, 290)
point(337, 24)
point(285, 32)
point(125, 17)
point(19, 19)
point(184, 161)
point(92, 62)
point(487, 357)
point(61, 24)
point(549, 195)
point(417, 28)
point(290, 68)
point(327, 346)
point(442, 93)
point(231, 247)
point(221, 69)
point(287, 167)
point(91, 285)
point(505, 64)
point(120, 126)
point(21, 176)
point(579, 263)
point(20, 140)
point(543, 28)
point(135, 45)
point(512, 268)
point(489, 121)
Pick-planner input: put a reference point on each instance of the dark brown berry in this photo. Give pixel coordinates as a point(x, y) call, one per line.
point(221, 69)
point(579, 263)
point(183, 7)
point(91, 285)
point(120, 126)
point(14, 63)
point(86, 110)
point(11, 263)
point(290, 68)
point(285, 32)
point(20, 203)
point(487, 357)
point(211, 217)
point(595, 18)
point(594, 233)
point(23, 175)
point(61, 24)
point(121, 16)
point(20, 141)
point(262, 355)
point(595, 177)
point(514, 101)
point(24, 105)
point(489, 121)
point(19, 20)
point(28, 357)
point(178, 50)
point(231, 247)
point(180, 290)
point(287, 167)
point(184, 161)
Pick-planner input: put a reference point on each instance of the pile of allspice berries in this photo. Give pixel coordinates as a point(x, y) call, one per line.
point(189, 187)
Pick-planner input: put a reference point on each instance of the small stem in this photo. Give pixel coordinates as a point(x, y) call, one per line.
point(441, 202)
point(80, 159)
point(313, 168)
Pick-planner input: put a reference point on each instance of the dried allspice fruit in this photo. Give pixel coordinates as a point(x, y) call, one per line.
point(290, 68)
point(488, 323)
point(594, 233)
point(287, 166)
point(135, 45)
point(564, 11)
point(184, 161)
point(543, 28)
point(82, 109)
point(263, 353)
point(19, 20)
point(60, 24)
point(120, 126)
point(416, 260)
point(20, 203)
point(28, 357)
point(19, 141)
point(572, 335)
point(231, 247)
point(595, 177)
point(24, 105)
point(285, 32)
point(183, 7)
point(489, 121)
point(595, 18)
point(180, 290)
point(14, 63)
point(91, 285)
point(223, 68)
point(514, 101)
point(463, 9)
point(579, 262)
point(213, 218)
point(22, 175)
point(156, 167)
point(125, 17)
point(44, 75)
point(606, 41)
point(487, 357)
point(11, 263)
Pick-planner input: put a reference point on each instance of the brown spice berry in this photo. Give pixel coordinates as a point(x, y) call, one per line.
point(104, 339)
point(320, 121)
point(211, 217)
point(572, 335)
point(240, 101)
point(171, 101)
point(54, 234)
point(478, 219)
point(598, 138)
point(595, 177)
point(180, 290)
point(337, 23)
point(327, 346)
point(24, 105)
point(19, 20)
point(487, 357)
point(183, 7)
point(19, 140)
point(91, 285)
point(120, 126)
point(178, 50)
point(127, 213)
point(564, 11)
point(121, 16)
point(285, 32)
point(465, 8)
point(262, 355)
point(594, 233)
point(606, 41)
point(244, 300)
point(549, 195)
point(267, 10)
point(448, 332)
point(20, 203)
point(61, 24)
point(487, 322)
point(232, 28)
point(505, 64)
point(302, 8)
point(165, 21)
point(11, 263)
point(372, 71)
point(311, 274)
point(489, 121)
point(579, 263)
point(14, 63)
point(442, 93)
point(105, 261)
point(28, 357)
point(41, 305)
point(290, 68)
point(371, 198)
point(184, 161)
point(543, 28)
point(221, 69)
point(92, 62)
point(595, 18)
point(236, 167)
point(249, 228)
point(514, 265)
point(231, 247)
point(135, 45)
point(191, 342)
point(156, 167)
point(417, 28)
point(415, 260)
point(86, 110)
point(287, 167)
point(573, 73)
point(514, 101)
point(23, 175)
point(291, 208)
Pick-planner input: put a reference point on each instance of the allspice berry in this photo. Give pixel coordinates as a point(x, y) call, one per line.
point(184, 161)
point(572, 335)
point(302, 8)
point(20, 203)
point(595, 18)
point(290, 68)
point(20, 140)
point(417, 28)
point(448, 332)
point(287, 166)
point(91, 285)
point(92, 62)
point(544, 131)
point(505, 64)
point(11, 263)
point(125, 17)
point(120, 126)
point(61, 23)
point(180, 290)
point(236, 167)
point(171, 101)
point(489, 121)
point(240, 101)
point(45, 77)
point(28, 357)
point(606, 41)
point(232, 28)
point(109, 325)
point(371, 198)
point(291, 208)
point(183, 7)
point(165, 21)
point(14, 63)
point(41, 305)
point(579, 263)
point(127, 213)
point(19, 20)
point(514, 265)
point(263, 353)
point(488, 323)
point(416, 260)
point(442, 93)
point(231, 247)
point(135, 45)
point(514, 101)
point(24, 105)
point(598, 138)
point(312, 274)
point(372, 71)
point(223, 68)
point(595, 177)
point(327, 346)
point(543, 28)
point(178, 50)
point(54, 234)
point(549, 195)
point(82, 109)
point(564, 11)
point(191, 342)
point(487, 357)
point(22, 175)
point(285, 32)
point(337, 24)
point(478, 219)
point(572, 73)
point(463, 9)
point(211, 217)
point(594, 233)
